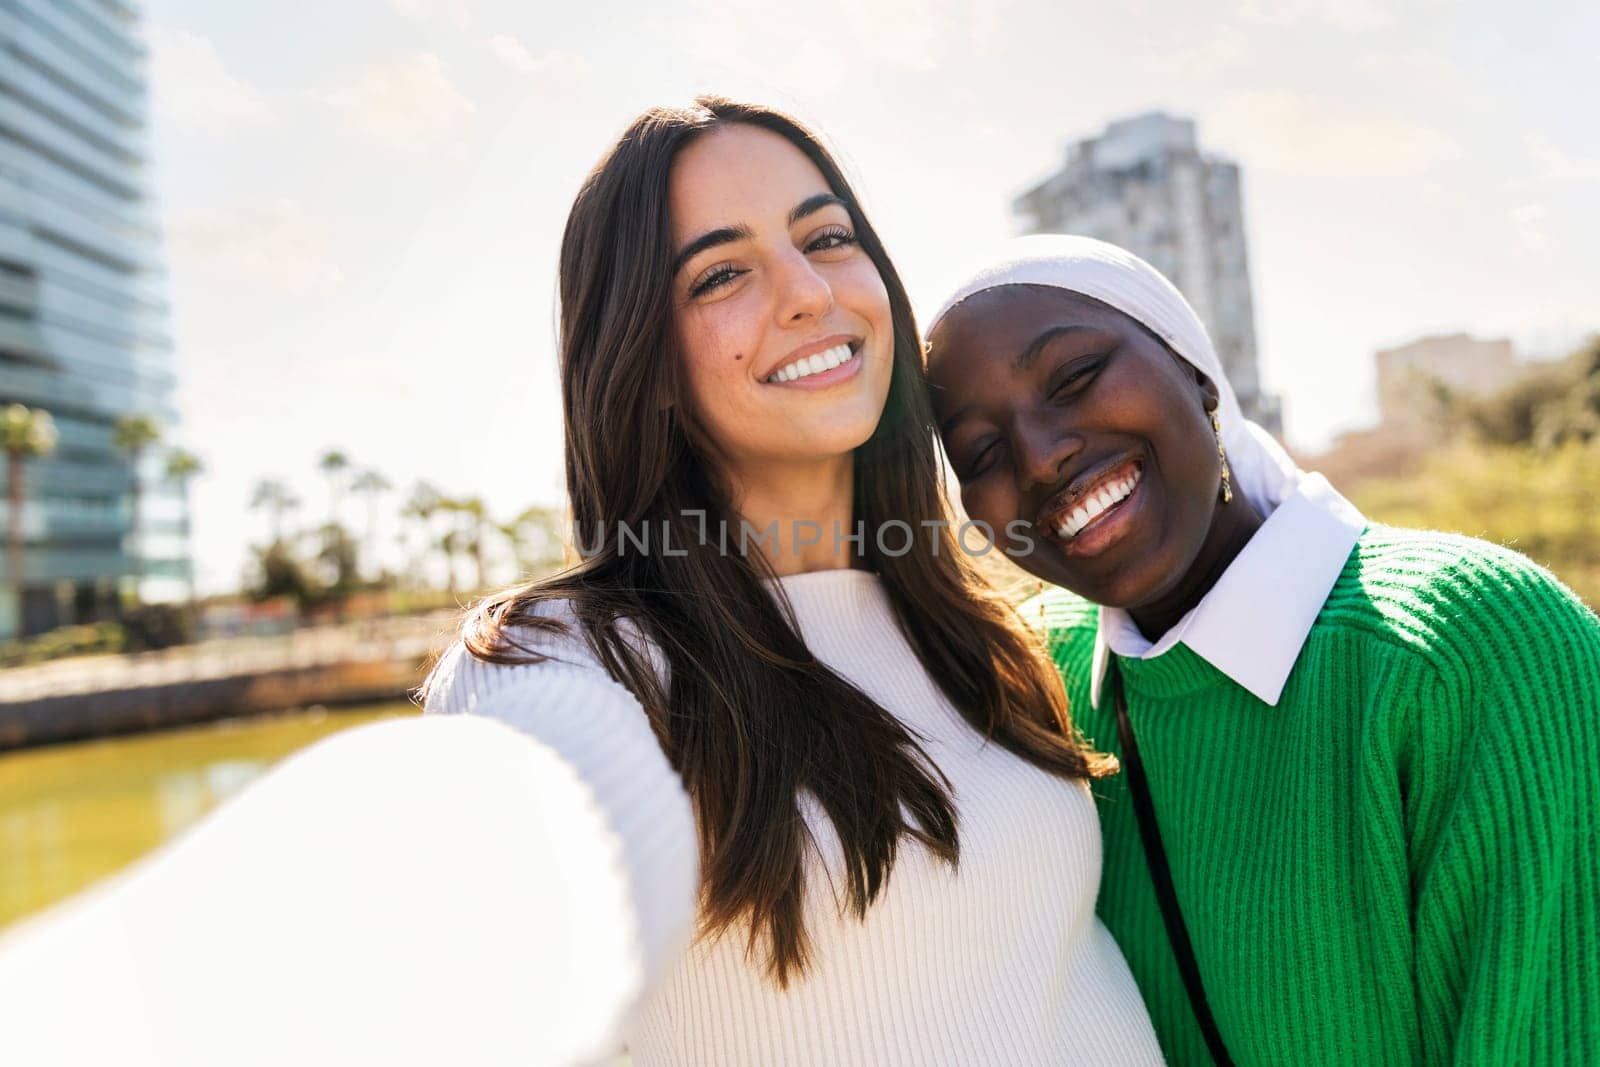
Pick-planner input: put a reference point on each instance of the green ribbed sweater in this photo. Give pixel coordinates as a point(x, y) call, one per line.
point(1398, 863)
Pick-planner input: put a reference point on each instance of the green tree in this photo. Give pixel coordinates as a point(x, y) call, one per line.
point(134, 435)
point(424, 503)
point(372, 485)
point(535, 540)
point(336, 553)
point(450, 543)
point(25, 433)
point(1548, 406)
point(273, 497)
point(334, 465)
point(281, 574)
point(475, 521)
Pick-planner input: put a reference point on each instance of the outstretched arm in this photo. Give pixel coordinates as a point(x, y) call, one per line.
point(502, 887)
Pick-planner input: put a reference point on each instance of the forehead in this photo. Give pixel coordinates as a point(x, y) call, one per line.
point(735, 174)
point(998, 323)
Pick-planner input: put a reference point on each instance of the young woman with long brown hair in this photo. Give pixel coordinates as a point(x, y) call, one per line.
point(775, 638)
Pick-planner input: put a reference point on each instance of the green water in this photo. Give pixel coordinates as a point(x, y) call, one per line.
point(71, 814)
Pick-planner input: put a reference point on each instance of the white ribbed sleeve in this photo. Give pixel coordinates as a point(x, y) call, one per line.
point(423, 891)
point(644, 892)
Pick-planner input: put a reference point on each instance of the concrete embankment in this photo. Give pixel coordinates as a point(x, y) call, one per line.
point(100, 696)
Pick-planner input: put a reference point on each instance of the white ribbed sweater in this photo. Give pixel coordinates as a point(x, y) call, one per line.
point(1003, 962)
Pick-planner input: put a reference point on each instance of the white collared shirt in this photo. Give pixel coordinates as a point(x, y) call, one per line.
point(1254, 621)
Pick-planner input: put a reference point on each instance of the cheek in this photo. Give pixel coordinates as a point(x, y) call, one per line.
point(858, 287)
point(715, 343)
point(991, 502)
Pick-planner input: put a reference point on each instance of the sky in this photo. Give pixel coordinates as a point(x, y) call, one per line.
point(362, 202)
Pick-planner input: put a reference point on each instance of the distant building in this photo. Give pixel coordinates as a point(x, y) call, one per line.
point(83, 315)
point(1411, 376)
point(1145, 185)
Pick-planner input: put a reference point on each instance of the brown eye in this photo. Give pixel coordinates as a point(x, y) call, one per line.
point(981, 463)
point(1079, 375)
point(715, 278)
point(832, 237)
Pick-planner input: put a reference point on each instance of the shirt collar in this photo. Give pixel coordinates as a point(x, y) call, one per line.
point(1254, 621)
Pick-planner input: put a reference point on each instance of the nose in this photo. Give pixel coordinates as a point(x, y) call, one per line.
point(802, 293)
point(1042, 447)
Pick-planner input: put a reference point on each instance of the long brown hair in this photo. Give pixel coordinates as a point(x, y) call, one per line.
point(747, 715)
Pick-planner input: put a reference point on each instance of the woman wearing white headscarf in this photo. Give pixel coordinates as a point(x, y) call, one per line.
point(1358, 820)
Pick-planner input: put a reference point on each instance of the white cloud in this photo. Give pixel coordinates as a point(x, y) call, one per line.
point(1529, 221)
point(1557, 166)
point(458, 12)
point(1299, 134)
point(1353, 15)
point(193, 89)
point(408, 105)
point(277, 246)
point(917, 35)
point(517, 56)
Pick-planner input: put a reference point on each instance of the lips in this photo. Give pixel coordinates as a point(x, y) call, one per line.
point(811, 365)
point(815, 358)
point(1090, 499)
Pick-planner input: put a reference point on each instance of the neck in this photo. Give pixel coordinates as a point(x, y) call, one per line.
point(1235, 523)
point(800, 513)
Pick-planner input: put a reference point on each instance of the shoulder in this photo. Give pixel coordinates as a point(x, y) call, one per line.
point(556, 648)
point(1469, 605)
point(1068, 623)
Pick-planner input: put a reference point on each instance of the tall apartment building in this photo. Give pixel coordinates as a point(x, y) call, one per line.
point(83, 315)
point(1144, 184)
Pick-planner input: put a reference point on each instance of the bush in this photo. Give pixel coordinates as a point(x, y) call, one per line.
point(64, 641)
point(1541, 503)
point(153, 626)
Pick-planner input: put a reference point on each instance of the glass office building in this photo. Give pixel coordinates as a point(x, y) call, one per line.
point(83, 316)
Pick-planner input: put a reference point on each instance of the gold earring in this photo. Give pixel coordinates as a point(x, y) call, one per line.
point(1227, 479)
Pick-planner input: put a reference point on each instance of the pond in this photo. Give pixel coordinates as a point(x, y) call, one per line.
point(71, 814)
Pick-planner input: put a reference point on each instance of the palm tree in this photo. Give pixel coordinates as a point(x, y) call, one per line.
point(372, 484)
point(472, 540)
point(512, 533)
point(450, 544)
point(334, 464)
point(424, 503)
point(25, 433)
point(275, 498)
point(182, 467)
point(133, 435)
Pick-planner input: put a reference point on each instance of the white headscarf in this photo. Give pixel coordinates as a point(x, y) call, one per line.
point(1260, 467)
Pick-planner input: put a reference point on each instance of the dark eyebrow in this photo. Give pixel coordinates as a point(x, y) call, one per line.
point(1026, 357)
point(728, 234)
point(813, 204)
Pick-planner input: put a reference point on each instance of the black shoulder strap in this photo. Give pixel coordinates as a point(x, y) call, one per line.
point(1161, 874)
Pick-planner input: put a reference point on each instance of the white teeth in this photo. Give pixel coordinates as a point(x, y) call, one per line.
point(822, 361)
point(1095, 505)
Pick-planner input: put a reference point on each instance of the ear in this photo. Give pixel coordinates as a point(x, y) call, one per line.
point(1210, 397)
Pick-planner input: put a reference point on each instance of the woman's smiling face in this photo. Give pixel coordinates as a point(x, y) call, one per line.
point(782, 318)
point(1064, 413)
